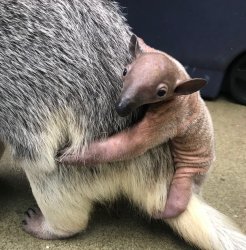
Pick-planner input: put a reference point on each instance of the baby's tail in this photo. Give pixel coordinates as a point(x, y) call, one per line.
point(206, 228)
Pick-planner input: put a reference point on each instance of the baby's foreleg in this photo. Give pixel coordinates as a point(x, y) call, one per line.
point(125, 145)
point(114, 148)
point(181, 190)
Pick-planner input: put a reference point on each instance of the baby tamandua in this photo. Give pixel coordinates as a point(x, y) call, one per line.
point(176, 113)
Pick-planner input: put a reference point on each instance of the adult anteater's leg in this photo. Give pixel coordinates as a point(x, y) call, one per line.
point(63, 209)
point(146, 181)
point(2, 148)
point(65, 196)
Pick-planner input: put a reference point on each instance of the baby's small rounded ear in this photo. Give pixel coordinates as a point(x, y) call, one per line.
point(134, 46)
point(190, 86)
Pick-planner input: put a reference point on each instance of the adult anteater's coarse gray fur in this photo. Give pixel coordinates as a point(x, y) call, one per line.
point(60, 75)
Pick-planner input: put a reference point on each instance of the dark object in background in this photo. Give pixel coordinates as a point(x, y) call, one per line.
point(208, 37)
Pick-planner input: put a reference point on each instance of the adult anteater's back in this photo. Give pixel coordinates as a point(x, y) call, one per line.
point(55, 56)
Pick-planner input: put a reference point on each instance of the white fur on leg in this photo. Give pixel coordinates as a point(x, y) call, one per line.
point(65, 209)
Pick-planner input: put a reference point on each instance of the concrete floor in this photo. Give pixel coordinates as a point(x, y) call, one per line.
point(225, 190)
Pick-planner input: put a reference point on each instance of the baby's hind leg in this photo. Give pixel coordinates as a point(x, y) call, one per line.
point(184, 182)
point(63, 208)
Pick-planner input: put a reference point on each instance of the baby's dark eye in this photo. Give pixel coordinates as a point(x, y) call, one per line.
point(124, 71)
point(161, 92)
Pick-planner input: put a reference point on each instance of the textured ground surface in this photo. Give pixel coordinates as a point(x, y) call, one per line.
point(225, 190)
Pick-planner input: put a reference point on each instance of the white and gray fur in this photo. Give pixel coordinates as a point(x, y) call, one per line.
point(60, 75)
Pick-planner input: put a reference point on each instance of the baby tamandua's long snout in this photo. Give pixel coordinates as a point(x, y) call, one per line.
point(125, 106)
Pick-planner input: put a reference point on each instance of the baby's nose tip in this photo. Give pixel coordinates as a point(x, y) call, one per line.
point(123, 108)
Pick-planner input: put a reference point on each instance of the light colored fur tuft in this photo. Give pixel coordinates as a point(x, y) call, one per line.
point(205, 227)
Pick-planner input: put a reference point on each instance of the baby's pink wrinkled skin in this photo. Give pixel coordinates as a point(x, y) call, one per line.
point(183, 120)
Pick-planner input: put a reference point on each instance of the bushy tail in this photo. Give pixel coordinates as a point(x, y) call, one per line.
point(206, 228)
